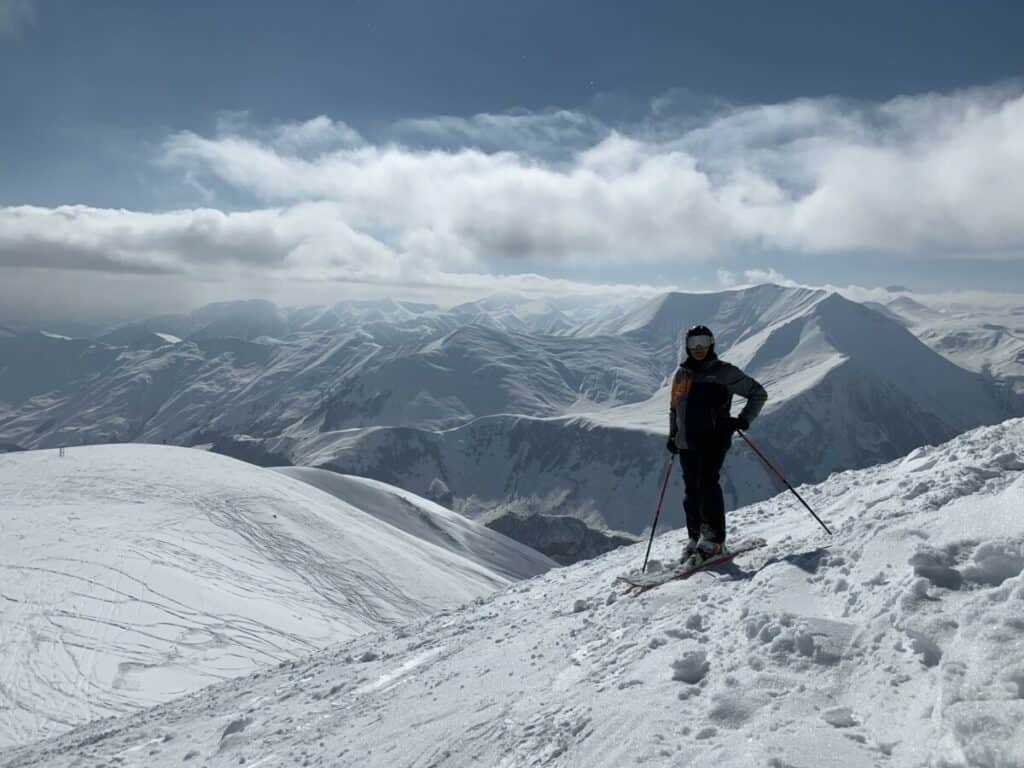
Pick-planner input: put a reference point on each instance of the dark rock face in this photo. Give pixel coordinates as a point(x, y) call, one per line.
point(565, 540)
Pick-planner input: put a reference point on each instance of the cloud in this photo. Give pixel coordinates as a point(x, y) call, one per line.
point(306, 240)
point(750, 277)
point(935, 175)
point(916, 178)
point(16, 15)
point(77, 262)
point(617, 204)
point(319, 134)
point(299, 139)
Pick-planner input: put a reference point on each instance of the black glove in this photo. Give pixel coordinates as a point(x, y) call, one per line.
point(738, 423)
point(671, 445)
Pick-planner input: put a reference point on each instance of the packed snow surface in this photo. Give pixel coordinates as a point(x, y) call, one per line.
point(899, 641)
point(133, 574)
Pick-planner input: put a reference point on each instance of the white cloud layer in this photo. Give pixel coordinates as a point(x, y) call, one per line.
point(304, 240)
point(930, 176)
point(917, 178)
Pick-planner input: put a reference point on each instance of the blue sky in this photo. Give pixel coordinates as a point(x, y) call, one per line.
point(361, 148)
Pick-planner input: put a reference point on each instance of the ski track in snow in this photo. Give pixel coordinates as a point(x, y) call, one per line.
point(127, 585)
point(897, 642)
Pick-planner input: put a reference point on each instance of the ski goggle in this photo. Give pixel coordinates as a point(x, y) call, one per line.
point(699, 341)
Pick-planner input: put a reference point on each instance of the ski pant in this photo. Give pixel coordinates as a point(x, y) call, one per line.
point(702, 501)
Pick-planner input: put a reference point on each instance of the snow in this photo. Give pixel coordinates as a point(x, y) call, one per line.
point(985, 339)
point(133, 574)
point(514, 416)
point(428, 521)
point(896, 642)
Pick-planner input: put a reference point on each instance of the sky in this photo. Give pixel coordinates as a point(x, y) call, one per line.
point(164, 155)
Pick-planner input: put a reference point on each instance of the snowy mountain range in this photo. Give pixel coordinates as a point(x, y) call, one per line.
point(985, 339)
point(512, 406)
point(896, 642)
point(134, 574)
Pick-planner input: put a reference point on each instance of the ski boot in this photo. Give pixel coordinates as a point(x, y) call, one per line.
point(706, 550)
point(689, 550)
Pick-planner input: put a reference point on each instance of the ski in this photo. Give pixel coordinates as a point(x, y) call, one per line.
point(640, 583)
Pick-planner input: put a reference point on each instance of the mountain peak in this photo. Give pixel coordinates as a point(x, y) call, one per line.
point(732, 315)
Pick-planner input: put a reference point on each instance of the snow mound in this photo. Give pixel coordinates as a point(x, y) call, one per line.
point(132, 575)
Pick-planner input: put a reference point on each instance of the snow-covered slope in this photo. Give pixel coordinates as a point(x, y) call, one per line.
point(511, 421)
point(347, 315)
point(480, 371)
point(34, 364)
point(985, 339)
point(240, 319)
point(732, 315)
point(377, 374)
point(133, 574)
point(427, 521)
point(607, 476)
point(236, 319)
point(895, 643)
point(181, 393)
point(848, 388)
point(850, 380)
point(515, 313)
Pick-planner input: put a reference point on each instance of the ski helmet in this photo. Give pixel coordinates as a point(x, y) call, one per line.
point(700, 331)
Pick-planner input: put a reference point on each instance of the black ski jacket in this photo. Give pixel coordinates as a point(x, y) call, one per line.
point(701, 397)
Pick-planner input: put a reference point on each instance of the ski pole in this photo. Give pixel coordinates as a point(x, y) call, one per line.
point(779, 474)
point(657, 513)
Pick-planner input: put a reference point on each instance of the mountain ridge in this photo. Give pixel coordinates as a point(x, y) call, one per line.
point(569, 410)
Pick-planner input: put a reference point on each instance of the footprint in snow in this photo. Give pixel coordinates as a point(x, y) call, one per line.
point(691, 668)
point(840, 717)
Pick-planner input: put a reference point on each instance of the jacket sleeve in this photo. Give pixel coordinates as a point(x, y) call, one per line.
point(738, 383)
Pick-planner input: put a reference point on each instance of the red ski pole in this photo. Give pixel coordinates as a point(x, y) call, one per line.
point(784, 480)
point(657, 513)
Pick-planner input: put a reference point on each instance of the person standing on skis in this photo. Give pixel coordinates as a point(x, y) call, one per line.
point(700, 432)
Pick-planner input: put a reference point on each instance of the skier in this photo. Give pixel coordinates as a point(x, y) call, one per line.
point(700, 432)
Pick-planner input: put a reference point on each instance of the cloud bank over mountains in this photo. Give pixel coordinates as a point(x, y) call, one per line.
point(563, 195)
